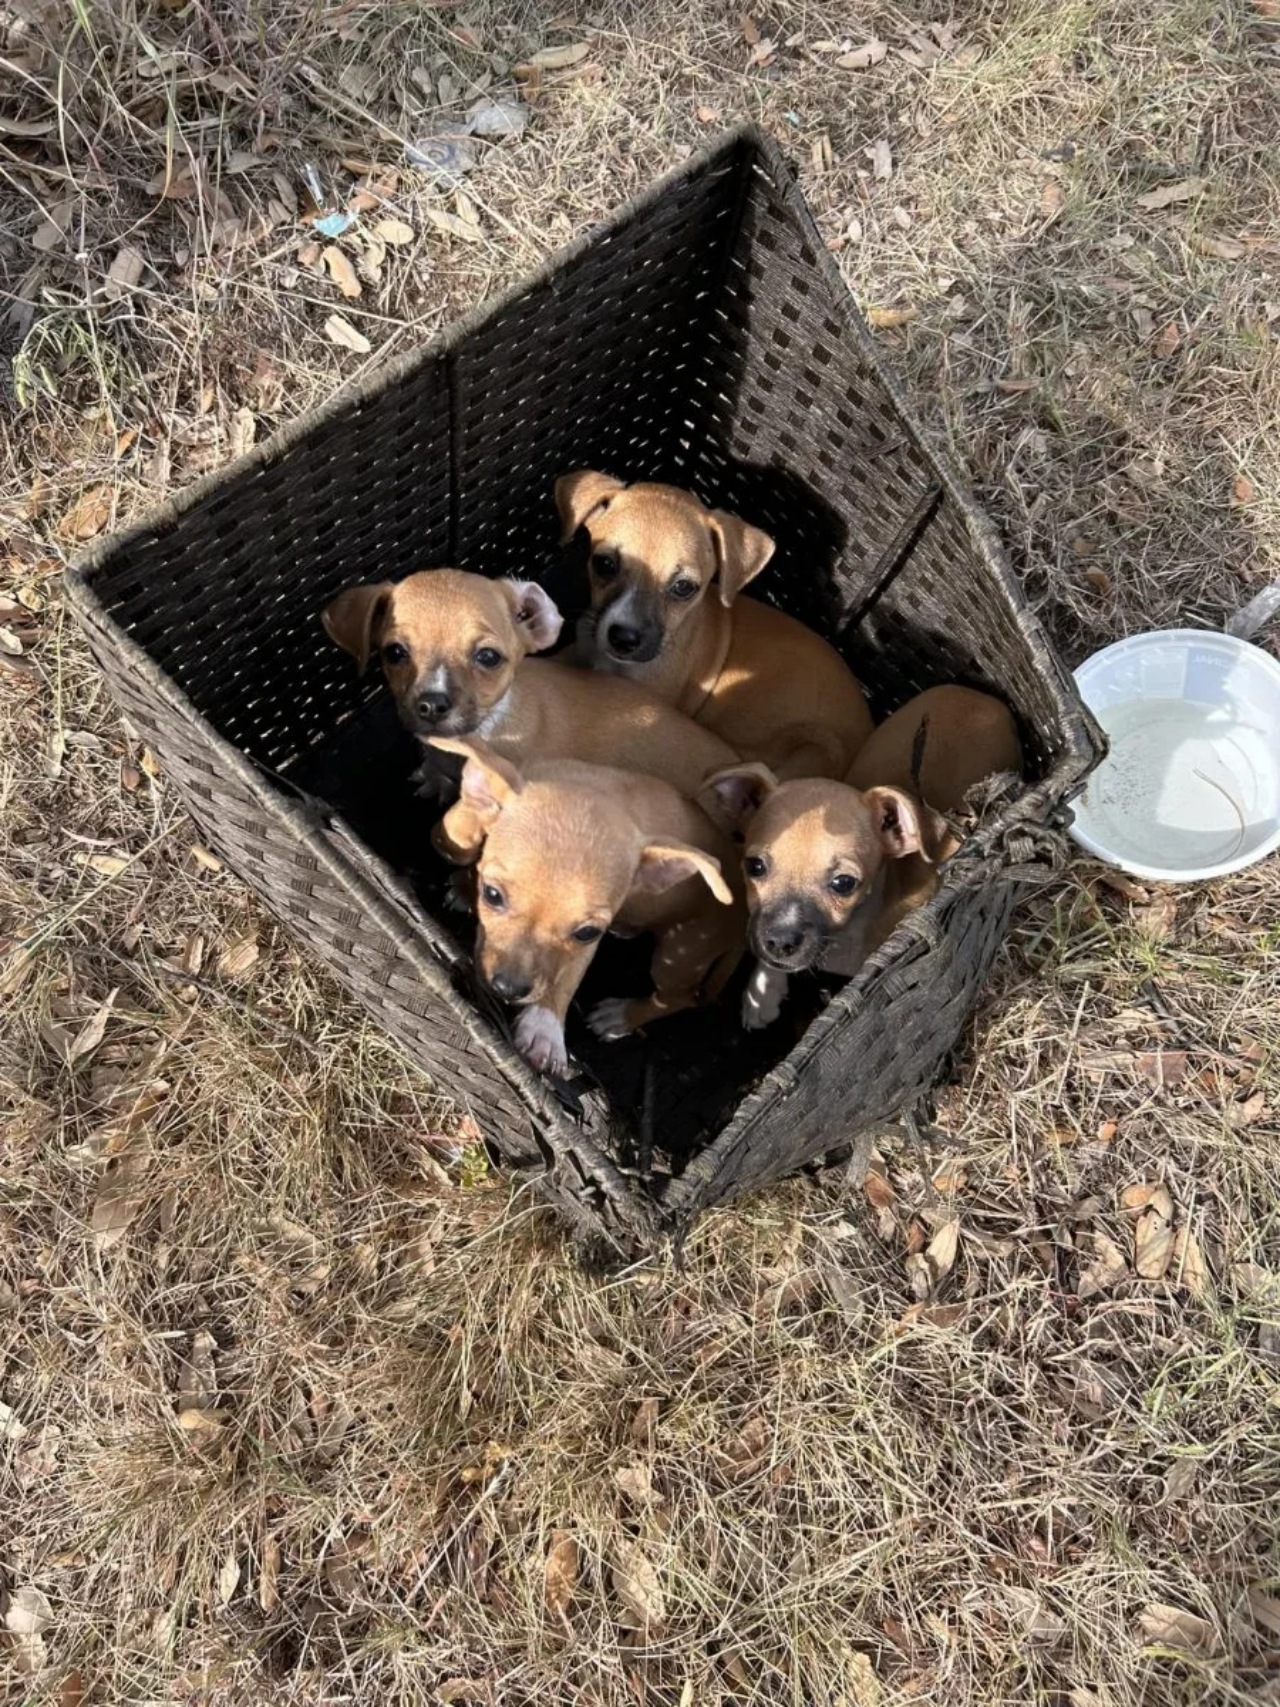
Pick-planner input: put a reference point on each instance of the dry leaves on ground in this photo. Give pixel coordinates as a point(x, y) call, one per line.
point(1153, 1231)
point(560, 1574)
point(340, 331)
point(636, 1584)
point(1168, 195)
point(1170, 1627)
point(863, 58)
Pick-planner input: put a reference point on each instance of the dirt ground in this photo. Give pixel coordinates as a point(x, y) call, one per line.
point(298, 1403)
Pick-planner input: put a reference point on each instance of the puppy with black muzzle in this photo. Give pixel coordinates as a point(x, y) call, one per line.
point(832, 868)
point(568, 852)
point(667, 610)
point(455, 651)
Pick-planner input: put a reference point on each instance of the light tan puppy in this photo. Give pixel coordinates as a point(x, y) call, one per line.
point(569, 851)
point(666, 610)
point(832, 868)
point(454, 649)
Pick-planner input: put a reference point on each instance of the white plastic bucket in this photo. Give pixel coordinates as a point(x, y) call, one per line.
point(1191, 786)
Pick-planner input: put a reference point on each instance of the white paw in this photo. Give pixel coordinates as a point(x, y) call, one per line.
point(609, 1019)
point(763, 997)
point(540, 1039)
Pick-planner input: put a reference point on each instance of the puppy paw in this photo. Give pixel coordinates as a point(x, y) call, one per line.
point(540, 1039)
point(609, 1019)
point(762, 999)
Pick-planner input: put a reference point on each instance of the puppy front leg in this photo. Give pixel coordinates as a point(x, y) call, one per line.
point(763, 997)
point(539, 1031)
point(685, 955)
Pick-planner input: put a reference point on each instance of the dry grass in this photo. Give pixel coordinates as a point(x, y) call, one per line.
point(406, 1395)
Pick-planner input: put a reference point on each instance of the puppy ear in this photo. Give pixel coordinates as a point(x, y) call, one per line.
point(536, 614)
point(904, 824)
point(741, 552)
point(582, 495)
point(663, 864)
point(353, 618)
point(488, 780)
point(733, 797)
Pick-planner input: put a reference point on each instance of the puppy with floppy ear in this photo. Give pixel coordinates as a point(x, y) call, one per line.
point(569, 851)
point(832, 868)
point(455, 651)
point(667, 609)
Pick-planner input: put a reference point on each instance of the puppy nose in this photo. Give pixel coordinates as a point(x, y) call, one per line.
point(509, 989)
point(783, 940)
point(433, 706)
point(623, 638)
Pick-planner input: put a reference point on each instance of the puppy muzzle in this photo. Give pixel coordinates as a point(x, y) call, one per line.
point(792, 935)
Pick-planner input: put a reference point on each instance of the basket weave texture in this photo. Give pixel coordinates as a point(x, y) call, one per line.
point(703, 337)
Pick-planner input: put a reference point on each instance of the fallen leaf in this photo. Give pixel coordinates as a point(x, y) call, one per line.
point(1243, 490)
point(455, 226)
point(560, 1576)
point(1167, 340)
point(1265, 1609)
point(88, 515)
point(1222, 248)
point(558, 58)
point(1108, 1266)
point(919, 1275)
point(498, 120)
point(1169, 1627)
point(237, 959)
point(1162, 1066)
point(25, 127)
point(10, 1426)
point(241, 432)
point(864, 57)
point(117, 1202)
point(1153, 1235)
point(228, 1578)
point(881, 158)
point(124, 272)
point(91, 1033)
point(707, 115)
point(396, 232)
point(750, 29)
point(269, 1575)
point(1051, 198)
point(107, 865)
point(9, 642)
point(644, 1424)
point(886, 318)
point(28, 1612)
point(341, 271)
point(1169, 194)
point(940, 1253)
point(340, 331)
point(635, 1582)
point(203, 858)
point(1241, 1114)
point(1156, 921)
point(933, 1315)
point(1189, 1267)
point(1180, 1479)
point(877, 1187)
point(635, 1481)
point(72, 1692)
point(951, 1180)
point(195, 1420)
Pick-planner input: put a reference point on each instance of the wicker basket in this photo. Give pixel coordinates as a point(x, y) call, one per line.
point(702, 336)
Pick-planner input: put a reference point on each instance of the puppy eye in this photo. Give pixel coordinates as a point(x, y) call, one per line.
point(394, 653)
point(492, 897)
point(755, 866)
point(843, 883)
point(488, 657)
point(588, 933)
point(604, 565)
point(683, 588)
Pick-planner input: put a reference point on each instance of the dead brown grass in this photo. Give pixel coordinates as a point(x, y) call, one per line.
point(306, 1418)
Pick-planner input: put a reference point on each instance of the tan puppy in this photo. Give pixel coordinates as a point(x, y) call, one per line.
point(454, 650)
point(763, 681)
point(569, 851)
point(832, 868)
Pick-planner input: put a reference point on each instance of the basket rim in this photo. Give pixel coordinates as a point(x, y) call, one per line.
point(413, 932)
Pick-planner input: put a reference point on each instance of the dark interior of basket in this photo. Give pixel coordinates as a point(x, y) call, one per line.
point(700, 340)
